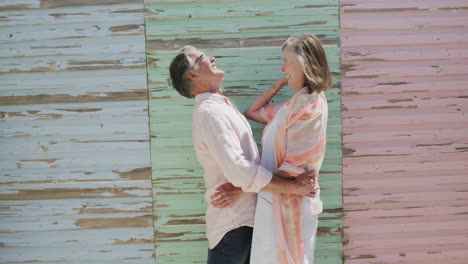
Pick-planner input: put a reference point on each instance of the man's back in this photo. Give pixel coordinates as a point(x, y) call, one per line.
point(225, 148)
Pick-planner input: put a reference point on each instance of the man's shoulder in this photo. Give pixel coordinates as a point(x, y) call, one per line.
point(209, 108)
point(211, 115)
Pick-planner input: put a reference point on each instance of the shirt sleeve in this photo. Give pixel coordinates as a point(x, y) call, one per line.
point(269, 111)
point(224, 144)
point(306, 139)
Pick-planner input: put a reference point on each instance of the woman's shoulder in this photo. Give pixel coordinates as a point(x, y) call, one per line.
point(306, 100)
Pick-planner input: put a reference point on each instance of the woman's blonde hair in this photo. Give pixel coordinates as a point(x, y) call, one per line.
point(311, 55)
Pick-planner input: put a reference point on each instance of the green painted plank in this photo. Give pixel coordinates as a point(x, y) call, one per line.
point(236, 62)
point(190, 252)
point(175, 10)
point(188, 28)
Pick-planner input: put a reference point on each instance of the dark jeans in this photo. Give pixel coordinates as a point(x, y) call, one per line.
point(234, 248)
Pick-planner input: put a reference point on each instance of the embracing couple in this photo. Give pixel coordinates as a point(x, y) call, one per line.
point(262, 208)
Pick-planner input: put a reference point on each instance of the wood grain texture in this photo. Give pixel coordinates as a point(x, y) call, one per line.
point(245, 37)
point(405, 126)
point(75, 183)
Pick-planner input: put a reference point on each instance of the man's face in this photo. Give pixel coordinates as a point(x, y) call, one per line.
point(204, 65)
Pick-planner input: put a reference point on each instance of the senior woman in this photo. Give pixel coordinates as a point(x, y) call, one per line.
point(293, 141)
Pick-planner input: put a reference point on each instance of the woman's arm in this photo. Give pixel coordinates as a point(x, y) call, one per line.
point(253, 111)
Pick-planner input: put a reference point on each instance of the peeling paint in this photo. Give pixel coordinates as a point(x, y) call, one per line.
point(73, 110)
point(133, 241)
point(82, 110)
point(74, 3)
point(65, 98)
point(124, 28)
point(248, 48)
point(404, 179)
point(71, 193)
point(98, 223)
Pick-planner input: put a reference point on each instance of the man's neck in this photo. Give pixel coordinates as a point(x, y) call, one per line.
point(203, 89)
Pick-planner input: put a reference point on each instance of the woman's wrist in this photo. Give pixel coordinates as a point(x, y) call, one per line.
point(274, 88)
point(269, 92)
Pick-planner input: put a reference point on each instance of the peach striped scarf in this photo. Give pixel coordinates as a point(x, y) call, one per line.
point(300, 145)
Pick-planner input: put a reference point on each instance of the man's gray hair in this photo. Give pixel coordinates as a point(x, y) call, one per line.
point(179, 68)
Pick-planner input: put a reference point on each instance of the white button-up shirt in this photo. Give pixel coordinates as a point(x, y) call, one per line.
point(227, 151)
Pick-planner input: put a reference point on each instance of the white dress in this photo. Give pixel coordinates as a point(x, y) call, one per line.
point(263, 242)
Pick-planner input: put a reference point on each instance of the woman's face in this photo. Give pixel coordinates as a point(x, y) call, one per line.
point(292, 69)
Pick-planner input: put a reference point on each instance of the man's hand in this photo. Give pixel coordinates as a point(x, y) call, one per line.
point(304, 184)
point(226, 194)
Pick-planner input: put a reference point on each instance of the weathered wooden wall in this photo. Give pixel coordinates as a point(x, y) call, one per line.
point(245, 37)
point(75, 184)
point(405, 126)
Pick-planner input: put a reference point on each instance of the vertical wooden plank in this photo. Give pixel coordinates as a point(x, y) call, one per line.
point(247, 48)
point(75, 183)
point(405, 131)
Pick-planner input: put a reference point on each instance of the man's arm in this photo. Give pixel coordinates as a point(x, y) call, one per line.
point(224, 145)
point(281, 182)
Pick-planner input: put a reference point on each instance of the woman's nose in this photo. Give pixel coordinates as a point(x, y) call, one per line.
point(282, 68)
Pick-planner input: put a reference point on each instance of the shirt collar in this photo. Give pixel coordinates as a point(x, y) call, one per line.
point(209, 96)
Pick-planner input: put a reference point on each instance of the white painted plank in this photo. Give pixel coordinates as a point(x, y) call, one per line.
point(135, 187)
point(25, 151)
point(76, 46)
point(69, 222)
point(75, 14)
point(61, 143)
point(17, 4)
point(72, 110)
point(20, 84)
point(88, 206)
point(57, 127)
point(73, 62)
point(138, 260)
point(72, 253)
point(35, 34)
point(78, 161)
point(77, 173)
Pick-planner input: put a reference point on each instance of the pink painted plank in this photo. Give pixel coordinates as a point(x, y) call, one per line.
point(400, 148)
point(403, 20)
point(428, 211)
point(404, 53)
point(403, 37)
point(403, 84)
point(392, 174)
point(416, 99)
point(398, 122)
point(406, 128)
point(352, 5)
point(430, 254)
point(421, 160)
point(405, 131)
point(373, 69)
point(412, 185)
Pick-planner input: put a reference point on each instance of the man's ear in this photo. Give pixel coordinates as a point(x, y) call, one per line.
point(191, 75)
